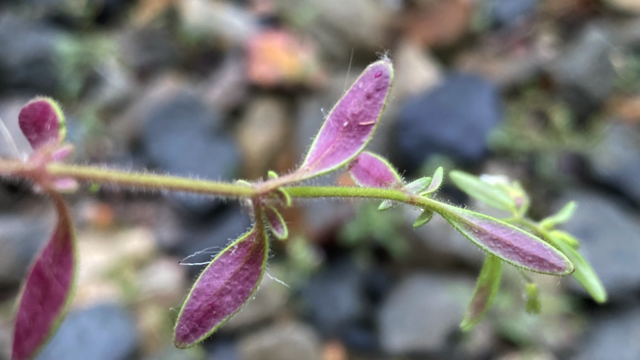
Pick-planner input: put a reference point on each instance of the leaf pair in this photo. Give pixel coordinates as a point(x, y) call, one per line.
point(234, 274)
point(48, 288)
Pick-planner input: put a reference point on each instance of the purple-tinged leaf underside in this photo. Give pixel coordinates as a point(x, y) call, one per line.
point(486, 290)
point(507, 242)
point(371, 170)
point(42, 122)
point(223, 287)
point(351, 123)
point(276, 223)
point(48, 289)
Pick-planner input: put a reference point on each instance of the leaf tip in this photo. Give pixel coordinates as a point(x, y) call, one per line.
point(42, 121)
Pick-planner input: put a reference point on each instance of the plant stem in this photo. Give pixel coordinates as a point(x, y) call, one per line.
point(150, 181)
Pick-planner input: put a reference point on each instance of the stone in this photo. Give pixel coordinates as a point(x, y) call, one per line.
point(262, 134)
point(612, 336)
point(511, 12)
point(585, 73)
point(21, 235)
point(283, 341)
point(421, 314)
point(609, 237)
point(180, 137)
point(335, 295)
point(28, 60)
point(149, 50)
point(627, 6)
point(101, 332)
point(615, 160)
point(340, 27)
point(437, 122)
point(224, 21)
point(416, 71)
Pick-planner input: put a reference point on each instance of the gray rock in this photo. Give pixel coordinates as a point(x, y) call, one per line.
point(28, 59)
point(454, 119)
point(285, 341)
point(179, 137)
point(422, 313)
point(510, 12)
point(614, 336)
point(610, 240)
point(615, 161)
point(102, 332)
point(585, 73)
point(21, 236)
point(335, 295)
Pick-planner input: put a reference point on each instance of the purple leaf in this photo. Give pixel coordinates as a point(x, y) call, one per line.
point(486, 289)
point(370, 170)
point(351, 123)
point(223, 287)
point(42, 122)
point(507, 242)
point(276, 223)
point(48, 289)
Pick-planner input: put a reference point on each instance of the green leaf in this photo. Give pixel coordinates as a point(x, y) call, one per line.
point(423, 218)
point(436, 181)
point(385, 204)
point(486, 290)
point(560, 217)
point(533, 304)
point(418, 185)
point(284, 196)
point(272, 174)
point(483, 191)
point(566, 238)
point(584, 273)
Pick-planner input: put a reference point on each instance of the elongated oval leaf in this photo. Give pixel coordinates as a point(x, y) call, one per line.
point(371, 170)
point(485, 192)
point(351, 123)
point(417, 186)
point(507, 242)
point(560, 217)
point(42, 121)
point(486, 290)
point(276, 223)
point(385, 204)
point(584, 273)
point(436, 181)
point(424, 218)
point(48, 289)
point(223, 287)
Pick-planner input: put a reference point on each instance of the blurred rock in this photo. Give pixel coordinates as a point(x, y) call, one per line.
point(222, 349)
point(609, 237)
point(335, 295)
point(437, 23)
point(340, 26)
point(146, 51)
point(421, 314)
point(162, 281)
point(6, 335)
point(227, 88)
point(262, 134)
point(284, 341)
point(528, 355)
point(280, 58)
point(28, 59)
point(217, 20)
point(615, 160)
point(584, 72)
point(627, 6)
point(102, 332)
point(21, 235)
point(510, 12)
point(612, 336)
point(173, 353)
point(179, 137)
point(270, 298)
point(453, 119)
point(416, 71)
